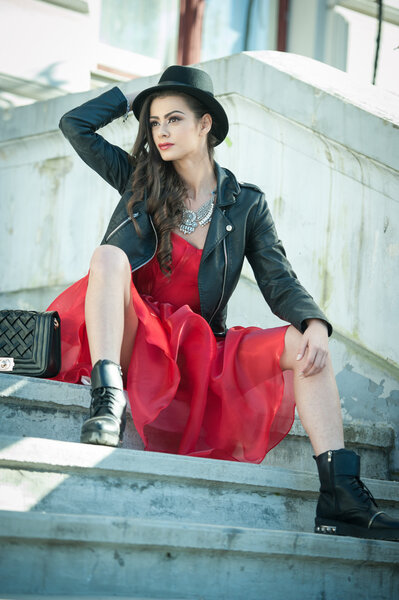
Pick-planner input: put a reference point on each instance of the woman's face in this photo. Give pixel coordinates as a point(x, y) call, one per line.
point(176, 132)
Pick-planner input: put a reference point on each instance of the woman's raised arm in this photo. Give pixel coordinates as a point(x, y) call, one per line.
point(79, 126)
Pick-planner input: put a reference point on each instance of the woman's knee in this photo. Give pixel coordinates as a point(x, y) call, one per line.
point(109, 260)
point(292, 344)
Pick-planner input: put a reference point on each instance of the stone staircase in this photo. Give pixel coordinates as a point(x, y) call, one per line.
point(79, 520)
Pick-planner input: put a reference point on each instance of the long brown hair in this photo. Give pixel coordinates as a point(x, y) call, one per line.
point(165, 189)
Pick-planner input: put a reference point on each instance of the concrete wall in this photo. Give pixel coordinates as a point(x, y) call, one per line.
point(324, 148)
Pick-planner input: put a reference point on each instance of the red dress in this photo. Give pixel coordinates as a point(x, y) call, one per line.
point(189, 392)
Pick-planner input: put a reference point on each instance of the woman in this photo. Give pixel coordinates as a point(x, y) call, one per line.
point(153, 306)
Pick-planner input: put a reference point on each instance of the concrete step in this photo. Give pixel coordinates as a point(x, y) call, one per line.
point(58, 554)
point(37, 474)
point(54, 410)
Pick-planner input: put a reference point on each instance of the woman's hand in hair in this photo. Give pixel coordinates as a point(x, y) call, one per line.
point(314, 347)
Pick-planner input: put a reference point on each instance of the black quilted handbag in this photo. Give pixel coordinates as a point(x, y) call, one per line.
point(30, 343)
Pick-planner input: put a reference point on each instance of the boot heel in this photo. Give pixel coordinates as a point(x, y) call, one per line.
point(341, 528)
point(103, 438)
point(323, 526)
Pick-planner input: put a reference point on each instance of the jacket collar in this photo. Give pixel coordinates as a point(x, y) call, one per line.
point(227, 186)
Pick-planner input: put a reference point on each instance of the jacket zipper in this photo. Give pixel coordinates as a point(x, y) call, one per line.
point(118, 227)
point(224, 279)
point(124, 223)
point(156, 246)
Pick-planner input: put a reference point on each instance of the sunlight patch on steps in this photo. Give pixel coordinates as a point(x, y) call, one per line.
point(21, 491)
point(15, 387)
point(30, 452)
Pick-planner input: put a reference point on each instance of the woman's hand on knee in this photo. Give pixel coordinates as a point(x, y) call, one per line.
point(313, 349)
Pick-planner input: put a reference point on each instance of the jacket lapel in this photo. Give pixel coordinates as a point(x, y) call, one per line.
point(227, 190)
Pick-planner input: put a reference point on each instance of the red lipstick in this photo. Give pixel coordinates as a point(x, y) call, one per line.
point(164, 146)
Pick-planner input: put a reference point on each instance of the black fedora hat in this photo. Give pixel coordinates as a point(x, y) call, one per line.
point(194, 82)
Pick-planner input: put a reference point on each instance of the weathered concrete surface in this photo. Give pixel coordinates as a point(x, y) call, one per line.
point(70, 597)
point(60, 477)
point(119, 556)
point(144, 485)
point(54, 410)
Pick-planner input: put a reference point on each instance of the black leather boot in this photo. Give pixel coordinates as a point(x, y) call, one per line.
point(107, 420)
point(346, 506)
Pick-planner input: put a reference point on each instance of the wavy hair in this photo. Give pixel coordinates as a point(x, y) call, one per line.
point(165, 188)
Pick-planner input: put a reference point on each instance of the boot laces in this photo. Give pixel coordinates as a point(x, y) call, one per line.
point(363, 491)
point(103, 398)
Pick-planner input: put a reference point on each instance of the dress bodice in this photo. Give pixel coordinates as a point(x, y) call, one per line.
point(182, 286)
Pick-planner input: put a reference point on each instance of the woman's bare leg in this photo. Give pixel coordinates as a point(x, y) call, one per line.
point(111, 321)
point(316, 398)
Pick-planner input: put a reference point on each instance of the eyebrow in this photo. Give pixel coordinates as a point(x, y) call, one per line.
point(167, 114)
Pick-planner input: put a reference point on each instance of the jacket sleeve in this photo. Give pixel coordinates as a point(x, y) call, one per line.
point(79, 126)
point(276, 279)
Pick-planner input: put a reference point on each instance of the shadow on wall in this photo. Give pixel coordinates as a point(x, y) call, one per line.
point(48, 76)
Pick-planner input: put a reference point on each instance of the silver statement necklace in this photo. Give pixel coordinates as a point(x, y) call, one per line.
point(192, 218)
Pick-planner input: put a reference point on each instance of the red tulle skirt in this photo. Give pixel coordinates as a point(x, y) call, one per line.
point(189, 392)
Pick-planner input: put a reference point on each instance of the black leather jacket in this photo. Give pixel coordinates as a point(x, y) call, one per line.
point(241, 225)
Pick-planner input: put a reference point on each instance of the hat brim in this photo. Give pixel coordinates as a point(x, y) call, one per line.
point(220, 125)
